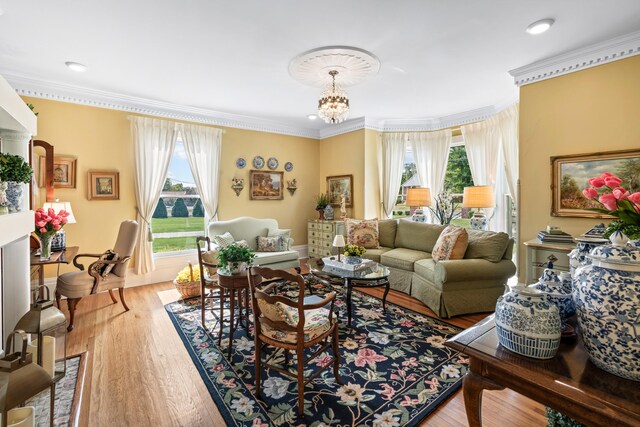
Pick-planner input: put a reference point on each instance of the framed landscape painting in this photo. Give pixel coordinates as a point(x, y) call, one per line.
point(339, 185)
point(266, 185)
point(569, 176)
point(64, 172)
point(103, 185)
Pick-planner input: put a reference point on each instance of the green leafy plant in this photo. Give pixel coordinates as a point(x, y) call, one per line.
point(33, 108)
point(322, 200)
point(354, 250)
point(14, 168)
point(234, 254)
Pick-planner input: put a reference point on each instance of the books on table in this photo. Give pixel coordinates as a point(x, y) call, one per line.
point(562, 237)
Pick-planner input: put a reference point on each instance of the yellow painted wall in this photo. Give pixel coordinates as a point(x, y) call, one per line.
point(372, 205)
point(100, 139)
point(344, 155)
point(593, 110)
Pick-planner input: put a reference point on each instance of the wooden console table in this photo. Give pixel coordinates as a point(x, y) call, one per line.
point(568, 383)
point(58, 257)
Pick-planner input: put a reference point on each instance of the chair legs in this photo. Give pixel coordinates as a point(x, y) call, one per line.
point(258, 362)
point(113, 298)
point(300, 356)
point(124, 303)
point(336, 356)
point(72, 303)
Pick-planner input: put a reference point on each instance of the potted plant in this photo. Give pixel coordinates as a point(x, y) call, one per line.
point(353, 254)
point(322, 201)
point(14, 170)
point(234, 259)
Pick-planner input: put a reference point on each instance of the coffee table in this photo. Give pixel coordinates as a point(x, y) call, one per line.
point(373, 276)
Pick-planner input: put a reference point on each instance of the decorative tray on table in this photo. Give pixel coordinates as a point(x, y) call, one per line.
point(333, 262)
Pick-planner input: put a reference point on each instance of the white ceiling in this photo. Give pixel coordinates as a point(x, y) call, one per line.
point(437, 57)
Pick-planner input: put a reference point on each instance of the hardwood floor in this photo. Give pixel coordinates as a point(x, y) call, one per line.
point(140, 374)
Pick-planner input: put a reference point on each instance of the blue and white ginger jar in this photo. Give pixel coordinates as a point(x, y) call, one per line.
point(607, 294)
point(556, 287)
point(527, 324)
point(328, 213)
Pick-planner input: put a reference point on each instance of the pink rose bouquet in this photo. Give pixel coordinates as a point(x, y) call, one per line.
point(49, 222)
point(618, 202)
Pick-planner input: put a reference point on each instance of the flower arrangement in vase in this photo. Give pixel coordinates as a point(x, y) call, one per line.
point(353, 254)
point(234, 259)
point(618, 202)
point(47, 224)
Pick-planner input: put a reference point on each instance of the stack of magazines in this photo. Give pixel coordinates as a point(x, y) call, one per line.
point(561, 237)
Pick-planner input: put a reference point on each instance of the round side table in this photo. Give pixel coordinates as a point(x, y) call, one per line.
point(236, 287)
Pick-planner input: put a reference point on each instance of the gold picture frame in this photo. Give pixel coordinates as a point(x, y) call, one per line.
point(569, 175)
point(64, 171)
point(103, 185)
point(339, 185)
point(266, 185)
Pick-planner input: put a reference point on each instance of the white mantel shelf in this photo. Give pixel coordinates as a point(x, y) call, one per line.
point(13, 226)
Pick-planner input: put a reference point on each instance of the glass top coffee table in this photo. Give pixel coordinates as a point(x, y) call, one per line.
point(373, 276)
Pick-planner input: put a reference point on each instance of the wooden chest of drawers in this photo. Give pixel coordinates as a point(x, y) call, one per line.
point(320, 236)
point(539, 254)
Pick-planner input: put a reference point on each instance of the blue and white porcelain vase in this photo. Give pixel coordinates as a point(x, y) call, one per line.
point(353, 260)
point(4, 203)
point(479, 221)
point(607, 294)
point(328, 213)
point(14, 196)
point(584, 245)
point(527, 324)
point(557, 289)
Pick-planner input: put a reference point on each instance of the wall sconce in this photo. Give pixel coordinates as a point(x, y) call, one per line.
point(238, 185)
point(292, 186)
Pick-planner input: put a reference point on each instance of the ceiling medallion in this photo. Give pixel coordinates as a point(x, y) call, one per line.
point(319, 67)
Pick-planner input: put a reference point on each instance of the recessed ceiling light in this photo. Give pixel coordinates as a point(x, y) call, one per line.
point(540, 26)
point(76, 66)
point(312, 117)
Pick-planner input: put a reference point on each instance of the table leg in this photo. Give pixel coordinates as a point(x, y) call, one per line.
point(222, 297)
point(232, 322)
point(472, 387)
point(202, 304)
point(347, 285)
point(387, 286)
point(40, 281)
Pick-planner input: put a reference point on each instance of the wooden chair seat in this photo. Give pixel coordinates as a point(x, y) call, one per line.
point(316, 324)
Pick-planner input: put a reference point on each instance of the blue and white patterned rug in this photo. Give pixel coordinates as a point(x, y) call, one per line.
point(394, 367)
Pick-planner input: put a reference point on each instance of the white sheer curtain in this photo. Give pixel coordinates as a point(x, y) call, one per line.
point(508, 123)
point(431, 154)
point(203, 146)
point(153, 143)
point(390, 164)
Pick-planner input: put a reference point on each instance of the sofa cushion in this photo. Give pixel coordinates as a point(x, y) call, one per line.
point(417, 235)
point(487, 245)
point(244, 228)
point(451, 244)
point(374, 254)
point(270, 244)
point(402, 258)
point(223, 240)
point(387, 232)
point(425, 268)
point(286, 236)
point(362, 232)
point(266, 258)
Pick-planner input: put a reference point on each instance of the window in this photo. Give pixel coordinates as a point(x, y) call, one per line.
point(179, 215)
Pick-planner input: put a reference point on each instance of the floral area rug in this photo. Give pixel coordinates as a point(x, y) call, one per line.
point(394, 367)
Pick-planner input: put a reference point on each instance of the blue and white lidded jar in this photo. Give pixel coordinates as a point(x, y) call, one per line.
point(328, 213)
point(527, 324)
point(556, 287)
point(584, 245)
point(607, 295)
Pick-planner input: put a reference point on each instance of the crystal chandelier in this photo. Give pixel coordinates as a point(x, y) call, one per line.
point(333, 105)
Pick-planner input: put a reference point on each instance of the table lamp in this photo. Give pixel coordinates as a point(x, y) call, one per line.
point(59, 240)
point(339, 243)
point(479, 197)
point(418, 197)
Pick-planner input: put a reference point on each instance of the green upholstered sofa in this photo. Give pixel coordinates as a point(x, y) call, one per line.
point(452, 287)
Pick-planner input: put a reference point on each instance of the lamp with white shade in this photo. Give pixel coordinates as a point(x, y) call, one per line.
point(59, 240)
point(418, 197)
point(338, 242)
point(478, 197)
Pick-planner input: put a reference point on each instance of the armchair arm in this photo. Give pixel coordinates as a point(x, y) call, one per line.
point(96, 276)
point(473, 269)
point(81, 266)
point(329, 298)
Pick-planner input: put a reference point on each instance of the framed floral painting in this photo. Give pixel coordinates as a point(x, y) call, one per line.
point(103, 185)
point(340, 185)
point(266, 185)
point(569, 176)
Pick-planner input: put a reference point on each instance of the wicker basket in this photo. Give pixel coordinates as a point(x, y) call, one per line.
point(189, 289)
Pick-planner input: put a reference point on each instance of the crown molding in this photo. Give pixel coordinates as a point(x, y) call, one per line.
point(579, 59)
point(36, 88)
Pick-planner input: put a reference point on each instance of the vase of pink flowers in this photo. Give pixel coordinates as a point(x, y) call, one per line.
point(48, 223)
point(616, 201)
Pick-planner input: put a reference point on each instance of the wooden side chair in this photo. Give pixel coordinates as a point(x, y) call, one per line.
point(105, 274)
point(292, 325)
point(208, 262)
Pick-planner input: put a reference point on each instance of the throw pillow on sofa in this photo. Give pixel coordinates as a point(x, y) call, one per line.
point(270, 244)
point(223, 240)
point(362, 232)
point(284, 232)
point(451, 244)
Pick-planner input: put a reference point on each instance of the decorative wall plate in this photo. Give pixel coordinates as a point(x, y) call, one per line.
point(258, 162)
point(288, 166)
point(241, 163)
point(272, 163)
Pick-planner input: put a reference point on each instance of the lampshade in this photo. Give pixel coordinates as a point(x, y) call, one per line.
point(419, 197)
point(58, 206)
point(480, 196)
point(338, 241)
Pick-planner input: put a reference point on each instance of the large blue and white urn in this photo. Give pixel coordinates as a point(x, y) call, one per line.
point(527, 324)
point(607, 295)
point(557, 289)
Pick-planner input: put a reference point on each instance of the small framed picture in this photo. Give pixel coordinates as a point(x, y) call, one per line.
point(338, 186)
point(103, 185)
point(64, 172)
point(266, 185)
